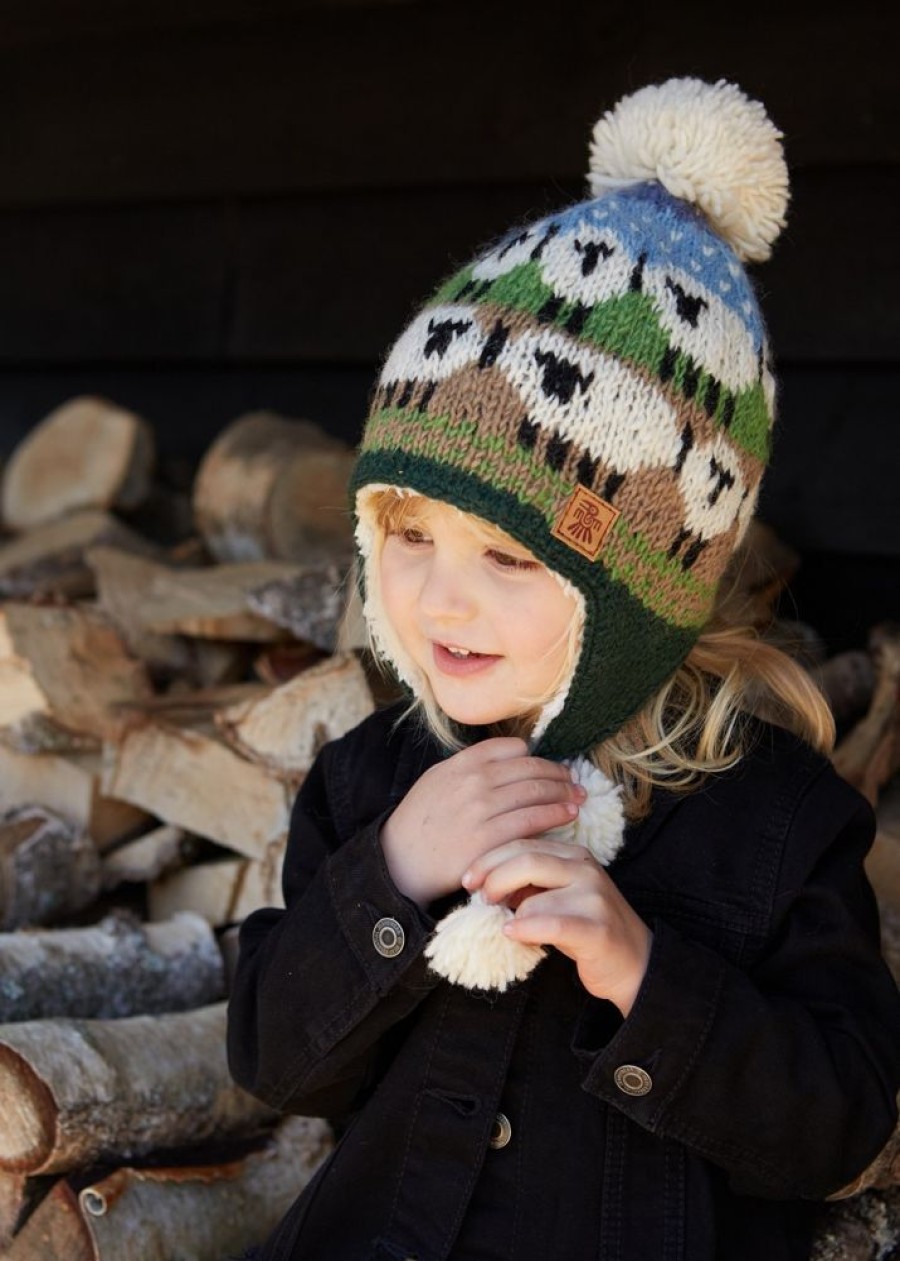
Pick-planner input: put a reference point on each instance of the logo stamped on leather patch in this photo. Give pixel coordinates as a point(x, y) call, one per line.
point(585, 522)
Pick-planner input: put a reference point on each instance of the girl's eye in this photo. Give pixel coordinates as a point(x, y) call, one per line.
point(409, 534)
point(506, 561)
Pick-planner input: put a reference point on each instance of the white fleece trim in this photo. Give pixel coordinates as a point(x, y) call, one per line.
point(386, 641)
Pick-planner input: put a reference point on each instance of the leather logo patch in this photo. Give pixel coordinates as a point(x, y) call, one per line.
point(585, 522)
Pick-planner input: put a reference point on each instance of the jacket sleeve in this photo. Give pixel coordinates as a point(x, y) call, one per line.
point(312, 996)
point(783, 1074)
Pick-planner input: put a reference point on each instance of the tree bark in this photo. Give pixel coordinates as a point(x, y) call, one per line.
point(269, 487)
point(118, 967)
point(70, 787)
point(310, 604)
point(48, 868)
point(79, 1091)
point(203, 1212)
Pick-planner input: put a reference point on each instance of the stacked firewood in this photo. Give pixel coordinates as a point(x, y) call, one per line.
point(172, 656)
point(168, 670)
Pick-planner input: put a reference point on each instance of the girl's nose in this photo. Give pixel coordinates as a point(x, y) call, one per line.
point(446, 593)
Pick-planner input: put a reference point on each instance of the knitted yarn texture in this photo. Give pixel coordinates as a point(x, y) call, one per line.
point(598, 384)
point(468, 947)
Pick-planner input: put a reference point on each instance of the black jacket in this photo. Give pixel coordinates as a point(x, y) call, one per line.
point(764, 1038)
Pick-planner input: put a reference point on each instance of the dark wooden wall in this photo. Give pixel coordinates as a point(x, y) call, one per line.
point(209, 206)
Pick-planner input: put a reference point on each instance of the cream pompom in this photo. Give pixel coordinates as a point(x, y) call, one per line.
point(708, 144)
point(468, 946)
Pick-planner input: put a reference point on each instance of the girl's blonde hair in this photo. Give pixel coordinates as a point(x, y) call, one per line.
point(695, 725)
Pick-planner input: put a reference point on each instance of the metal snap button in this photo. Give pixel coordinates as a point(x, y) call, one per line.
point(388, 937)
point(633, 1080)
point(501, 1133)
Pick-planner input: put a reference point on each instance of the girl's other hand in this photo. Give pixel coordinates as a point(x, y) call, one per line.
point(479, 798)
point(564, 898)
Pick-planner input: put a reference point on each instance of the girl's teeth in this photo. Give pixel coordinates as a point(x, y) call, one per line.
point(459, 652)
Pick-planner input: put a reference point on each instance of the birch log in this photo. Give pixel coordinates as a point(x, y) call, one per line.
point(65, 676)
point(50, 560)
point(205, 1213)
point(310, 603)
point(78, 1091)
point(149, 599)
point(196, 782)
point(88, 453)
point(48, 868)
point(201, 1213)
point(70, 787)
point(270, 487)
point(223, 892)
point(18, 1197)
point(118, 967)
point(286, 729)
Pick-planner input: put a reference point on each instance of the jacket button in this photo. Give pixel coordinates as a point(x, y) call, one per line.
point(388, 937)
point(501, 1133)
point(632, 1080)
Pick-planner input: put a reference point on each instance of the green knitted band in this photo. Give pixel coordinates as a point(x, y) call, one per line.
point(600, 701)
point(661, 582)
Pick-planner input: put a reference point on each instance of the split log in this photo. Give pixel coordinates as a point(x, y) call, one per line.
point(116, 968)
point(121, 581)
point(223, 892)
point(88, 453)
point(80, 1091)
point(310, 604)
point(19, 1196)
point(70, 787)
point(147, 598)
point(50, 561)
point(270, 487)
point(188, 778)
point(867, 757)
point(204, 1212)
point(48, 868)
point(286, 729)
point(64, 676)
point(146, 858)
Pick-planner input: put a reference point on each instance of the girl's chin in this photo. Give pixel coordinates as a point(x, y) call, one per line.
point(476, 714)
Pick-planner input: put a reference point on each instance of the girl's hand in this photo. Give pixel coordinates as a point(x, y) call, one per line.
point(479, 798)
point(564, 898)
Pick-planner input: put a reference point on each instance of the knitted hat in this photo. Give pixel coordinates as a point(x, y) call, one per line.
point(598, 385)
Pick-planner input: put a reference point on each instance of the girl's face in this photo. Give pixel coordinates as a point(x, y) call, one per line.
point(487, 625)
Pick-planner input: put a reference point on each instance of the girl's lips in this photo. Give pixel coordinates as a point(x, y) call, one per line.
point(474, 663)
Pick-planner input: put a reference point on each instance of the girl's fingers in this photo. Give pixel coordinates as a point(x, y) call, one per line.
point(547, 864)
point(521, 796)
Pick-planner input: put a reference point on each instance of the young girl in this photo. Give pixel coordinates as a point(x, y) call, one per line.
point(661, 1028)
